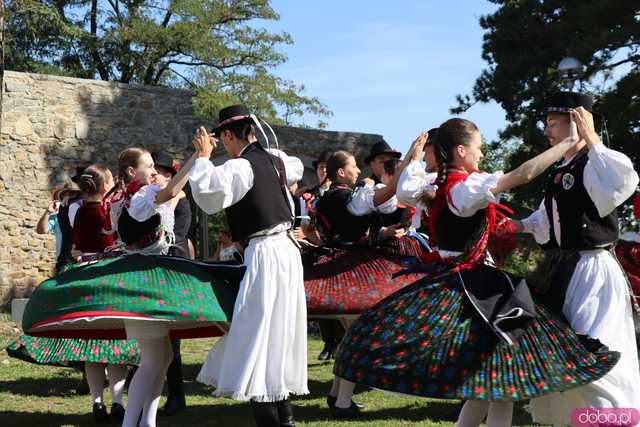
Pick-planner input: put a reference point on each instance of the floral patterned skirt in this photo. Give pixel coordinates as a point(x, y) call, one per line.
point(349, 281)
point(187, 299)
point(68, 352)
point(428, 340)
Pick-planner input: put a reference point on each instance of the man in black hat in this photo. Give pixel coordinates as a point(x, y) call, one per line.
point(380, 153)
point(391, 223)
point(263, 358)
point(166, 169)
point(578, 218)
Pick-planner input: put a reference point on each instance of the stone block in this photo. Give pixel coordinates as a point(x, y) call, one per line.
point(82, 128)
point(23, 127)
point(11, 85)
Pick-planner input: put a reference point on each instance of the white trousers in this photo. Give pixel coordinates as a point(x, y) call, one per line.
point(264, 355)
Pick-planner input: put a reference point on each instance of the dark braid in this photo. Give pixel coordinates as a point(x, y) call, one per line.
point(450, 134)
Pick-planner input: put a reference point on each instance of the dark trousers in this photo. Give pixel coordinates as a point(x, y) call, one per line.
point(331, 331)
point(174, 373)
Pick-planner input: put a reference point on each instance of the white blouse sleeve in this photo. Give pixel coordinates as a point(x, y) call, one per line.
point(217, 187)
point(387, 207)
point(413, 182)
point(143, 203)
point(473, 194)
point(538, 224)
point(361, 202)
point(609, 178)
point(293, 166)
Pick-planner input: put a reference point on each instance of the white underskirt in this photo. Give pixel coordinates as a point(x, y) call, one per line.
point(597, 304)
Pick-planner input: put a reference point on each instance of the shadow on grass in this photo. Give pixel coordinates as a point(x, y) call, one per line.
point(63, 386)
point(20, 419)
point(223, 412)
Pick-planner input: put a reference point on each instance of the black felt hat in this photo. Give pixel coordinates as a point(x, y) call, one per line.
point(380, 148)
point(322, 158)
point(233, 113)
point(162, 159)
point(562, 102)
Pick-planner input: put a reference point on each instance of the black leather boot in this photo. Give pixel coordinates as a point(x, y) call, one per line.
point(176, 401)
point(265, 414)
point(285, 412)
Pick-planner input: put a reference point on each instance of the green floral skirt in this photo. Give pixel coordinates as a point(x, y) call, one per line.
point(68, 352)
point(188, 299)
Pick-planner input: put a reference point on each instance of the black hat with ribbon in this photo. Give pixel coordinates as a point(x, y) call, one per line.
point(380, 148)
point(163, 160)
point(563, 102)
point(231, 114)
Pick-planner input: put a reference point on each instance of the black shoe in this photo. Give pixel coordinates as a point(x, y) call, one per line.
point(82, 389)
point(351, 412)
point(117, 413)
point(331, 402)
point(175, 403)
point(100, 413)
point(265, 414)
point(325, 354)
point(285, 413)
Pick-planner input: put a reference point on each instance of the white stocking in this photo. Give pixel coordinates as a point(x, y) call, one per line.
point(345, 393)
point(472, 413)
point(500, 414)
point(146, 385)
point(95, 379)
point(335, 387)
point(117, 378)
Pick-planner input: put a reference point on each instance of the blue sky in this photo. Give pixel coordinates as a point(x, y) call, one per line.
point(391, 68)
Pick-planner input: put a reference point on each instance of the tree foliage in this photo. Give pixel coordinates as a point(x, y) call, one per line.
point(523, 44)
point(212, 46)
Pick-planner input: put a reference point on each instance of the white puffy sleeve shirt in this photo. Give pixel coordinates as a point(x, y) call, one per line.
point(474, 193)
point(215, 188)
point(143, 204)
point(609, 179)
point(413, 182)
point(361, 202)
point(293, 166)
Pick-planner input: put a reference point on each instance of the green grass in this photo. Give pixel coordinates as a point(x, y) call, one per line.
point(32, 395)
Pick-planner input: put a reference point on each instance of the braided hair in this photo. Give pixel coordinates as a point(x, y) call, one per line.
point(450, 134)
point(93, 178)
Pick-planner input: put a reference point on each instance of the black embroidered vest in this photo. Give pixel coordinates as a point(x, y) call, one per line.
point(265, 204)
point(334, 221)
point(581, 227)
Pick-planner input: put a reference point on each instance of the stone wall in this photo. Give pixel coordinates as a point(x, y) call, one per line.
point(50, 125)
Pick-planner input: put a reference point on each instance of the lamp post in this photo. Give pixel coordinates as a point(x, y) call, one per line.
point(570, 71)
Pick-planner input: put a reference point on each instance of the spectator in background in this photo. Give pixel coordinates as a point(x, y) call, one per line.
point(227, 249)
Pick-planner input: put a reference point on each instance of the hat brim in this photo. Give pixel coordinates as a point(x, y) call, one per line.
point(169, 168)
point(566, 110)
point(216, 129)
point(395, 154)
